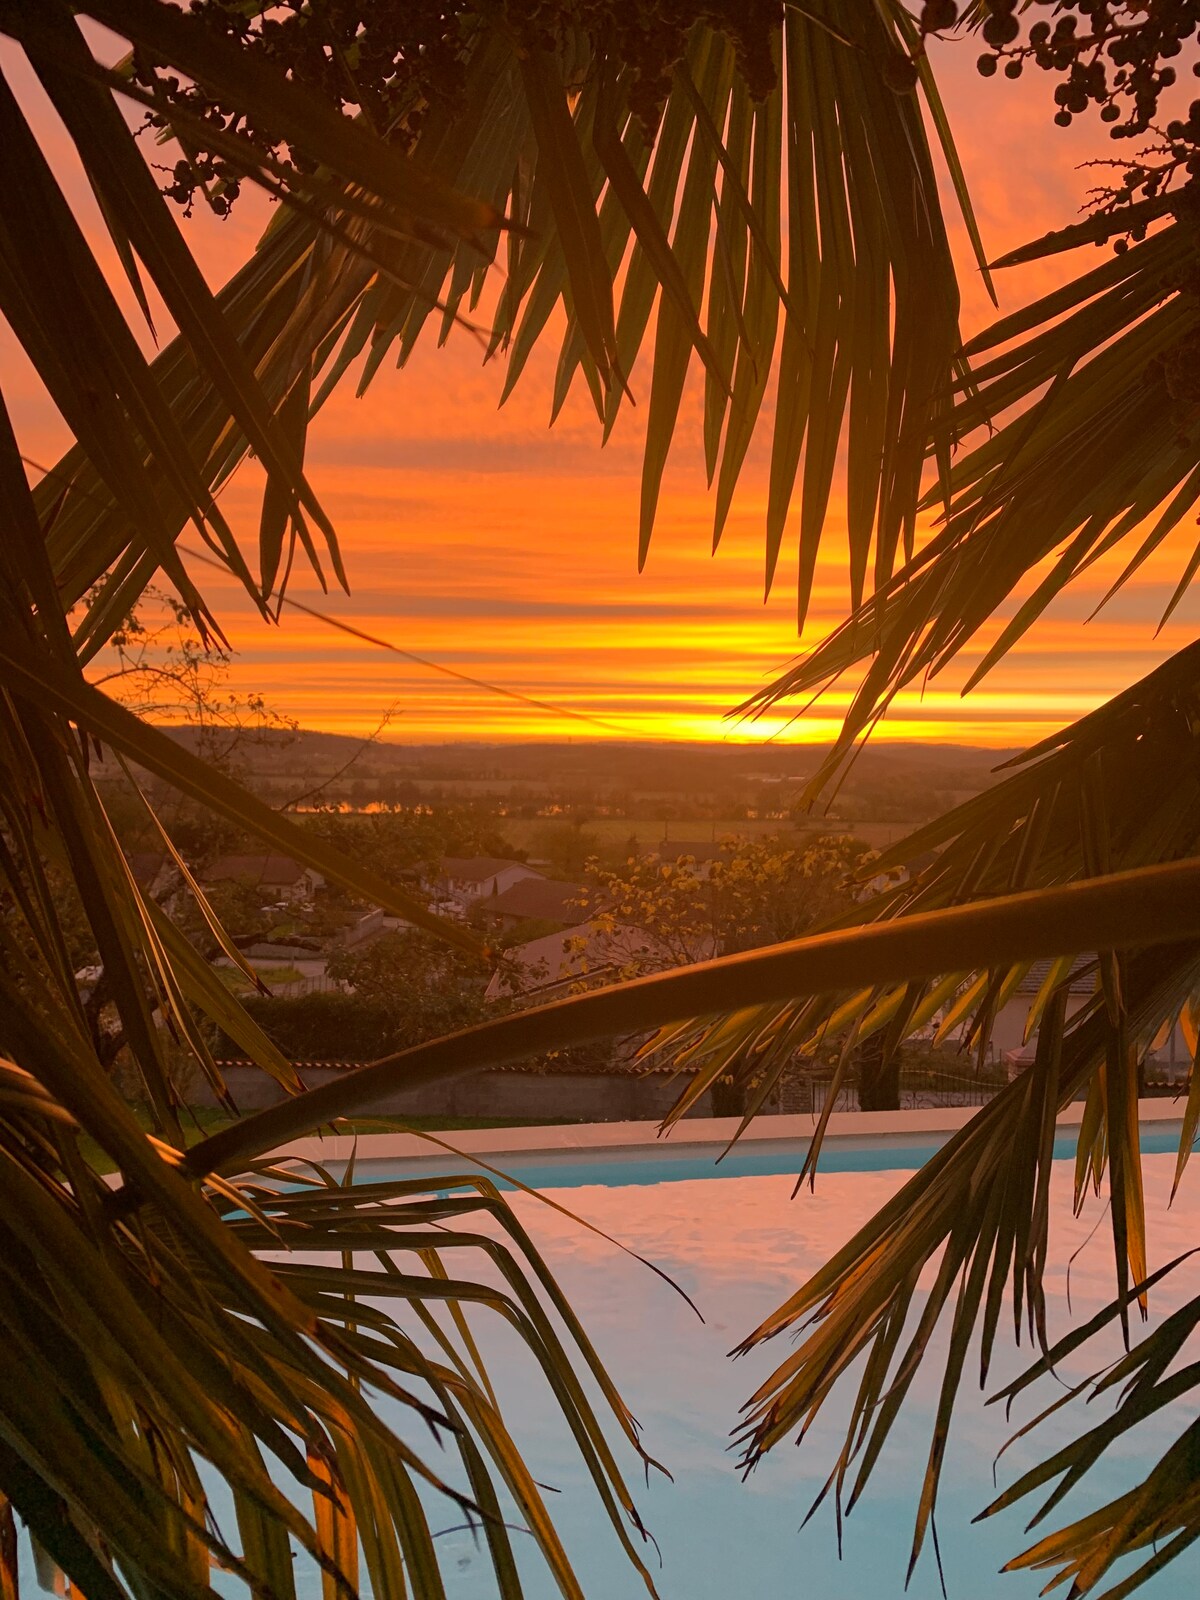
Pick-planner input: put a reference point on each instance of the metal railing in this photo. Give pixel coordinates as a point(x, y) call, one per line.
point(919, 1090)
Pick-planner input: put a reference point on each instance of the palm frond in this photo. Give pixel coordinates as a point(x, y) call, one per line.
point(1123, 911)
point(262, 1357)
point(981, 1205)
point(1099, 451)
point(148, 1356)
point(1161, 1511)
point(110, 1411)
point(688, 211)
point(1118, 791)
point(152, 460)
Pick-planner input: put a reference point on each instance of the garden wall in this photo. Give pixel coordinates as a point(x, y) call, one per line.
point(554, 1096)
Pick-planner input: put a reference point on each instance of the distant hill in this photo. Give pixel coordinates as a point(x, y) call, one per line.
point(274, 747)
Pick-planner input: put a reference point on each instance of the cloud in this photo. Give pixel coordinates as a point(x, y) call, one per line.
point(478, 536)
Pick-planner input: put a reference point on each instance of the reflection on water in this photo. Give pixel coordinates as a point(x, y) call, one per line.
point(737, 1246)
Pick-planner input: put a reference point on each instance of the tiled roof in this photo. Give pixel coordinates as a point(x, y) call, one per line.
point(555, 959)
point(474, 869)
point(1082, 977)
point(544, 899)
point(269, 869)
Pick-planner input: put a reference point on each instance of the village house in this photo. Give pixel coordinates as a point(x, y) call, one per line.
point(277, 876)
point(1168, 1057)
point(463, 881)
point(535, 900)
point(550, 965)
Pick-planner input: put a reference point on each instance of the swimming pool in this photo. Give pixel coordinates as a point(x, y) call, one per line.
point(737, 1244)
point(641, 1165)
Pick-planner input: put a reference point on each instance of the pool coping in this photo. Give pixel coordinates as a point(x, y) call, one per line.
point(695, 1135)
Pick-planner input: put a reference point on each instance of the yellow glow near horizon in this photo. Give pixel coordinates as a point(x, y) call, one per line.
point(507, 552)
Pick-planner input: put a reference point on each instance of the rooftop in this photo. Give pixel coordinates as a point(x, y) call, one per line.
point(560, 958)
point(542, 899)
point(1082, 979)
point(269, 869)
point(474, 869)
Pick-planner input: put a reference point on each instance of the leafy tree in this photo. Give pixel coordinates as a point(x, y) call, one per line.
point(403, 844)
point(423, 986)
point(658, 914)
point(239, 907)
point(157, 663)
point(759, 891)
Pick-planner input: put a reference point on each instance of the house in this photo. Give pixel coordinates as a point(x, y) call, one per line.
point(1008, 1042)
point(550, 965)
point(277, 876)
point(1167, 1058)
point(464, 881)
point(535, 900)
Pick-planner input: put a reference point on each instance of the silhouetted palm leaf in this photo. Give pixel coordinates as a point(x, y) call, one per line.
point(173, 1322)
point(683, 213)
point(144, 1349)
point(1099, 450)
point(1119, 791)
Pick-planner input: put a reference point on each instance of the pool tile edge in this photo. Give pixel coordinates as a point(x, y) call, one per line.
point(899, 1128)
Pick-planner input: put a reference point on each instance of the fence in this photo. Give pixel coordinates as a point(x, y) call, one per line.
point(919, 1090)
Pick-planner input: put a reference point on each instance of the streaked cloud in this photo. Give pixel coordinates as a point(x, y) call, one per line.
point(476, 536)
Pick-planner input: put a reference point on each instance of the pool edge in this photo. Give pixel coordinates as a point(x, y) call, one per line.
point(695, 1135)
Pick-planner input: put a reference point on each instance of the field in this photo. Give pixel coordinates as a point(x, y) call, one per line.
point(527, 833)
point(532, 834)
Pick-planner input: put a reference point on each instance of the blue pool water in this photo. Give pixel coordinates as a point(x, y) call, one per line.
point(639, 1166)
point(738, 1243)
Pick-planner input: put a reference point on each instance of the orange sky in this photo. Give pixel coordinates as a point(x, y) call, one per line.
point(507, 551)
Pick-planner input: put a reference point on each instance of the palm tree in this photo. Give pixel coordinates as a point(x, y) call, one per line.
point(144, 1333)
point(762, 186)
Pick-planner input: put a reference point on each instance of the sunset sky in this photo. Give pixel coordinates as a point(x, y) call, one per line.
point(483, 540)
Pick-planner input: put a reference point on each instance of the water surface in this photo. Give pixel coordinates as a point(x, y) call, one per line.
point(738, 1246)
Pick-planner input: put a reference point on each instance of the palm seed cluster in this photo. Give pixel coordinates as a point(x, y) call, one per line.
point(390, 60)
point(1114, 55)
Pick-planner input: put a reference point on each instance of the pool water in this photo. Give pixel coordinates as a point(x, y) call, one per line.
point(738, 1245)
point(667, 1162)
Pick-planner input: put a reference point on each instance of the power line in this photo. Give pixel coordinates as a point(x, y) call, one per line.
point(371, 638)
point(423, 661)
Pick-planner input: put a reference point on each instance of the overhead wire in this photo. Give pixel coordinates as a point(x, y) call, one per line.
point(208, 559)
point(424, 661)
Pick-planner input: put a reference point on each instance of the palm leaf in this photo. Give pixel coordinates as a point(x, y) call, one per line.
point(109, 1411)
point(1162, 1510)
point(1097, 452)
point(257, 1361)
point(1113, 793)
point(329, 288)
